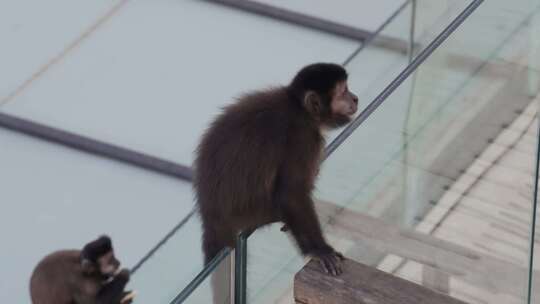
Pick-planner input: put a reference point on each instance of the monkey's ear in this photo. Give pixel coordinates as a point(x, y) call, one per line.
point(87, 266)
point(312, 103)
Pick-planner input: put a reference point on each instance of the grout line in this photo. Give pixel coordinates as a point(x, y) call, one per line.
point(102, 20)
point(95, 147)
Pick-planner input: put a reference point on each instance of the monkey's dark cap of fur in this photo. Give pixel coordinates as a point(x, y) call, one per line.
point(97, 248)
point(319, 77)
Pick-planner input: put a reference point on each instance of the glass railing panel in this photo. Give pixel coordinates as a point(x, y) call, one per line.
point(398, 41)
point(501, 27)
point(214, 285)
point(273, 262)
point(456, 173)
point(172, 266)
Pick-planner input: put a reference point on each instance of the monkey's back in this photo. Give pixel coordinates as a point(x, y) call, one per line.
point(239, 157)
point(53, 270)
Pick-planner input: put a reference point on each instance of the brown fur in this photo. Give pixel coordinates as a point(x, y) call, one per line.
point(258, 161)
point(62, 278)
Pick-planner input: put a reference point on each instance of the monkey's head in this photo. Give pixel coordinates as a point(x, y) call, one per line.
point(322, 90)
point(97, 258)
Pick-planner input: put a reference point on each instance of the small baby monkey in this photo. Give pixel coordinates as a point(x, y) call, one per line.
point(88, 276)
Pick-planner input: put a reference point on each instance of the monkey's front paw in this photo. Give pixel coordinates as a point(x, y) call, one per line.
point(123, 275)
point(127, 297)
point(330, 261)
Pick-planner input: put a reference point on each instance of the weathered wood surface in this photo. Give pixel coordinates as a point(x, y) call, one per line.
point(360, 284)
point(477, 269)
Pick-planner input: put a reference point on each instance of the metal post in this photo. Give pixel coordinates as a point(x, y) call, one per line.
point(412, 28)
point(533, 220)
point(410, 177)
point(208, 269)
point(240, 269)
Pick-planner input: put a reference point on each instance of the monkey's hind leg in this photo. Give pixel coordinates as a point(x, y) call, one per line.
point(213, 242)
